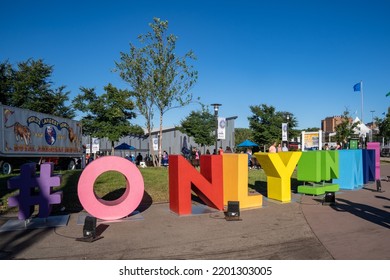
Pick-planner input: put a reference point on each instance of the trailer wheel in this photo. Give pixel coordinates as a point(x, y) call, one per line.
point(6, 167)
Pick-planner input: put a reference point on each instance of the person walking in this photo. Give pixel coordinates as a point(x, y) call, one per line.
point(272, 148)
point(326, 147)
point(249, 153)
point(138, 159)
point(165, 159)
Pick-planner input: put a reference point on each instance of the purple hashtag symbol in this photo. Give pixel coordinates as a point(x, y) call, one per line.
point(35, 190)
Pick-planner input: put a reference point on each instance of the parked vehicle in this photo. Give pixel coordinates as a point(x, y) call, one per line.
point(385, 152)
point(28, 136)
point(294, 146)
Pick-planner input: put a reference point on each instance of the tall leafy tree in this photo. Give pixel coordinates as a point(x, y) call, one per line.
point(384, 126)
point(346, 129)
point(159, 77)
point(266, 124)
point(108, 114)
point(29, 86)
point(7, 74)
point(311, 129)
point(241, 134)
point(200, 125)
point(134, 69)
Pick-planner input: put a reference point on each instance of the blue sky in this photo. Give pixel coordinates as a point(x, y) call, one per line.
point(298, 56)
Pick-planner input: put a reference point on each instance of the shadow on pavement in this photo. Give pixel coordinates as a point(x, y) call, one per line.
point(369, 213)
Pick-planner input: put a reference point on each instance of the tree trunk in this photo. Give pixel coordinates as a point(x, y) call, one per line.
point(151, 149)
point(160, 140)
point(90, 147)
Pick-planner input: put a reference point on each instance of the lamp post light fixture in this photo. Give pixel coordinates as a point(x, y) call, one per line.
point(216, 108)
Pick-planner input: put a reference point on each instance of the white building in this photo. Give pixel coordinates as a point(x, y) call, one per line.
point(172, 141)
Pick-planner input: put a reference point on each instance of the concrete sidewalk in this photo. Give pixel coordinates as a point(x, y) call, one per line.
point(357, 227)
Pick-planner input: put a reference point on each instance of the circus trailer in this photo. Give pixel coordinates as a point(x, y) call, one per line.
point(28, 136)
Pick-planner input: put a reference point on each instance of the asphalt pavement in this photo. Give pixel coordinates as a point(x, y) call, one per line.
point(355, 228)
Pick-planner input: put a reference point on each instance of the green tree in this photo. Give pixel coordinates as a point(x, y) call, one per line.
point(266, 124)
point(133, 69)
point(311, 129)
point(108, 114)
point(200, 125)
point(241, 134)
point(384, 126)
point(157, 75)
point(29, 86)
point(7, 74)
point(346, 129)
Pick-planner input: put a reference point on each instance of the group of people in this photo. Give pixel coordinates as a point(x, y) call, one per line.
point(89, 158)
point(338, 146)
point(194, 154)
point(252, 161)
point(228, 150)
point(137, 160)
point(276, 149)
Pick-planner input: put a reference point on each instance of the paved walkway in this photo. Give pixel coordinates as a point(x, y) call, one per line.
point(357, 227)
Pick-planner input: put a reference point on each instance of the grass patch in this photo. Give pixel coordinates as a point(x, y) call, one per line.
point(156, 183)
point(109, 186)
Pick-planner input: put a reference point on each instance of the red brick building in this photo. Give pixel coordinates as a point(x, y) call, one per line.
point(329, 124)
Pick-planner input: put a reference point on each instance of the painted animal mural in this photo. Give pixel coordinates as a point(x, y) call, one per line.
point(21, 132)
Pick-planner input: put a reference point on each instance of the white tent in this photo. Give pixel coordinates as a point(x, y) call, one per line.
point(361, 128)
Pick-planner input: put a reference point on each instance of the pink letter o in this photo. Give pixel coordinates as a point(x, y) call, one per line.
point(105, 209)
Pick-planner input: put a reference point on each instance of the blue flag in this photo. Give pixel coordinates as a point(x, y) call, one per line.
point(357, 87)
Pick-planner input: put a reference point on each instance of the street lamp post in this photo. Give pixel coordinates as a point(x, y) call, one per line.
point(216, 108)
point(288, 118)
point(285, 131)
point(372, 125)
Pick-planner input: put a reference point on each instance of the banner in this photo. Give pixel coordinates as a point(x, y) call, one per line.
point(284, 132)
point(221, 128)
point(155, 144)
point(95, 145)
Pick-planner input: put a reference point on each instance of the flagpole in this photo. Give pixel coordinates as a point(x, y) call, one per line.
point(361, 91)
